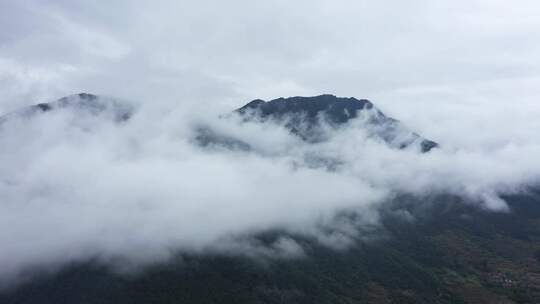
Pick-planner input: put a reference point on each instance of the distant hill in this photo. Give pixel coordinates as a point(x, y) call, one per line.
point(83, 103)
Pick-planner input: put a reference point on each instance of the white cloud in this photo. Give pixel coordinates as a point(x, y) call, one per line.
point(464, 74)
point(77, 186)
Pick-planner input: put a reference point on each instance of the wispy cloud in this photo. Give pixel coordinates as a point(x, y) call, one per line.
point(463, 73)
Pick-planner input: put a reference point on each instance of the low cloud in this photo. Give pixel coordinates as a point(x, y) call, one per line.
point(72, 187)
point(78, 186)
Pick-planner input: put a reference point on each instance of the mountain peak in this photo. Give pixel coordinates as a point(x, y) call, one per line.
point(87, 96)
point(84, 102)
point(338, 109)
point(303, 116)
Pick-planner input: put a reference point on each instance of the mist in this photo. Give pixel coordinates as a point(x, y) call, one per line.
point(75, 187)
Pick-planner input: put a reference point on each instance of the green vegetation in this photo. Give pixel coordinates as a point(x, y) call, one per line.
point(451, 253)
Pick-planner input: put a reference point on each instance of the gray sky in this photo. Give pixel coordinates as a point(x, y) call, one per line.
point(463, 73)
point(444, 67)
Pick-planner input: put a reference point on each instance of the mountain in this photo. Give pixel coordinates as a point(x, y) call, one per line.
point(82, 103)
point(314, 118)
point(304, 116)
point(451, 252)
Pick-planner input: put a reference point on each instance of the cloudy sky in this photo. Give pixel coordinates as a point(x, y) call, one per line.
point(463, 73)
point(444, 67)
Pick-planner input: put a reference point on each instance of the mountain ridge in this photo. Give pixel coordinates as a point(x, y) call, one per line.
point(304, 117)
point(83, 102)
point(300, 111)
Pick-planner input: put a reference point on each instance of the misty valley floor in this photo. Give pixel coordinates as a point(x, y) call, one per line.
point(451, 253)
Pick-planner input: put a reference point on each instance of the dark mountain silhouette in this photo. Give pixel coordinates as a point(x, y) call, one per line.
point(304, 116)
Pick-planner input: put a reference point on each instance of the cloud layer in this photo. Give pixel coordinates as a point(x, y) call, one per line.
point(464, 74)
point(76, 186)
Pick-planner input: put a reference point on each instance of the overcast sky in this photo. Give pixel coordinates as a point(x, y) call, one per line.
point(443, 67)
point(463, 73)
